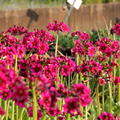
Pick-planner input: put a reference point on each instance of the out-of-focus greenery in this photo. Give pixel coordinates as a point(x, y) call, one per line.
point(66, 41)
point(55, 1)
point(10, 4)
point(99, 1)
point(41, 3)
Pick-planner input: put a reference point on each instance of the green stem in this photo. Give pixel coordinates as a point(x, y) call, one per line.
point(77, 61)
point(119, 83)
point(119, 93)
point(86, 108)
point(56, 46)
point(86, 113)
point(34, 103)
point(60, 104)
point(103, 104)
point(69, 81)
point(77, 78)
point(55, 118)
point(110, 98)
point(13, 110)
point(0, 101)
point(61, 80)
point(7, 110)
point(13, 103)
point(29, 118)
point(80, 117)
point(80, 62)
point(16, 60)
point(114, 86)
point(21, 115)
point(68, 117)
point(17, 112)
point(44, 116)
point(98, 100)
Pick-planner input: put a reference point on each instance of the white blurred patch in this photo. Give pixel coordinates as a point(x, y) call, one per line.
point(76, 3)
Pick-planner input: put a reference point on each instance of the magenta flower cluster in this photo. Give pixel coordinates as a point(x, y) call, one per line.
point(116, 29)
point(107, 116)
point(25, 62)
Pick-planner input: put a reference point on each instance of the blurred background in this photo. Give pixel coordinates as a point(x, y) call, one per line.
point(93, 14)
point(17, 4)
point(11, 4)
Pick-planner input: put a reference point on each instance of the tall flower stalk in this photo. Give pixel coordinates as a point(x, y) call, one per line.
point(110, 98)
point(103, 98)
point(119, 83)
point(98, 100)
point(13, 103)
point(34, 102)
point(56, 46)
point(77, 61)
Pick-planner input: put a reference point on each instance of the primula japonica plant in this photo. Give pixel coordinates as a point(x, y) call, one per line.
point(38, 85)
